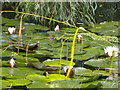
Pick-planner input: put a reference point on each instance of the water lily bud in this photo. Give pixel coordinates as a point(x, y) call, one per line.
point(12, 63)
point(111, 51)
point(79, 38)
point(57, 28)
point(24, 30)
point(11, 30)
point(65, 68)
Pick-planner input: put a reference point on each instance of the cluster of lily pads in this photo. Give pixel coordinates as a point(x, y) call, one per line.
point(44, 56)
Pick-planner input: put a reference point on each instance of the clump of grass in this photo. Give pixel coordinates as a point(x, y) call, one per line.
point(69, 12)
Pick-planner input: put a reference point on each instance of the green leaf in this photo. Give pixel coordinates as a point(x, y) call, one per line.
point(38, 84)
point(94, 84)
point(98, 63)
point(101, 72)
point(56, 62)
point(109, 84)
point(83, 71)
point(5, 84)
point(21, 82)
point(37, 77)
point(65, 84)
point(54, 77)
point(21, 72)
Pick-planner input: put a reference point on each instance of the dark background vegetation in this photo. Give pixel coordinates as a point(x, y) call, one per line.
point(69, 12)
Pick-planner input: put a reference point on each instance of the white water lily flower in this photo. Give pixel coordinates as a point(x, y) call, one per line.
point(12, 63)
point(57, 28)
point(111, 51)
point(11, 30)
point(79, 36)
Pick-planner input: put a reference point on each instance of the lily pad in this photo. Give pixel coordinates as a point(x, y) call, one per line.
point(101, 72)
point(8, 72)
point(8, 53)
point(98, 63)
point(54, 77)
point(37, 77)
point(5, 84)
point(23, 59)
point(43, 52)
point(106, 28)
point(109, 84)
point(21, 82)
point(94, 84)
point(83, 71)
point(65, 84)
point(38, 84)
point(57, 63)
point(90, 53)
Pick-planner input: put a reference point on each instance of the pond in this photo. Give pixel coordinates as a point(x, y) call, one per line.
point(42, 57)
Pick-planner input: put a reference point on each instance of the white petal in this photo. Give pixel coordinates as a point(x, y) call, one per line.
point(11, 30)
point(57, 28)
point(12, 62)
point(79, 36)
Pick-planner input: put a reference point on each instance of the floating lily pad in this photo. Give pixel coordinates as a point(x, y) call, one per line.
point(7, 53)
point(54, 77)
point(23, 59)
point(101, 72)
point(4, 29)
point(43, 52)
point(99, 43)
point(83, 71)
point(5, 84)
point(8, 72)
point(109, 84)
point(44, 46)
point(70, 30)
point(21, 82)
point(98, 63)
point(65, 84)
point(38, 84)
point(37, 77)
point(30, 28)
point(81, 79)
point(94, 84)
point(12, 22)
point(56, 63)
point(4, 63)
point(38, 65)
point(106, 28)
point(89, 53)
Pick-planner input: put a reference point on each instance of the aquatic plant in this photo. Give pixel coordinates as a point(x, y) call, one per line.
point(111, 51)
point(12, 63)
point(11, 30)
point(57, 28)
point(58, 47)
